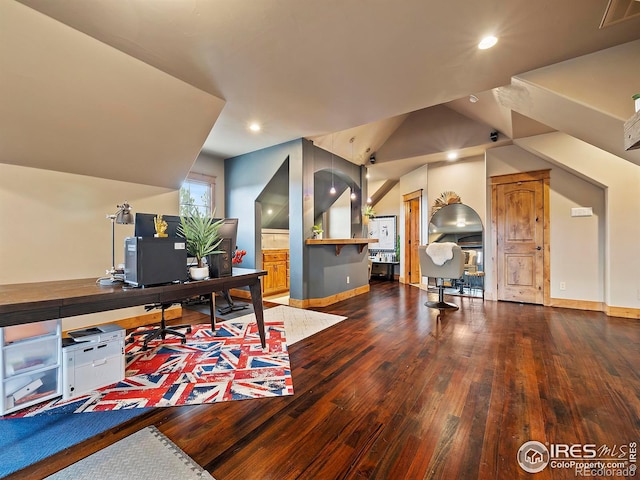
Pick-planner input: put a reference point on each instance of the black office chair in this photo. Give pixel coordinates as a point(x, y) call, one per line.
point(231, 305)
point(160, 331)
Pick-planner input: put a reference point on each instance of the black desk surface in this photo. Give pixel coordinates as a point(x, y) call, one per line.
point(32, 302)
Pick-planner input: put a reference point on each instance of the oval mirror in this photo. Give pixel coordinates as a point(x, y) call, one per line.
point(461, 224)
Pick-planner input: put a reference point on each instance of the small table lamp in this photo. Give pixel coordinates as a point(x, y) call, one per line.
point(122, 216)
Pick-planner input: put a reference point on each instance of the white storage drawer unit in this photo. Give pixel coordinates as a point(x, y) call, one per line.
point(94, 361)
point(29, 364)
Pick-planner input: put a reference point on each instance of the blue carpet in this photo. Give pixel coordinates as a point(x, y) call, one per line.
point(24, 441)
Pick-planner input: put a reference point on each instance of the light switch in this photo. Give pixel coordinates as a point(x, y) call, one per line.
point(581, 212)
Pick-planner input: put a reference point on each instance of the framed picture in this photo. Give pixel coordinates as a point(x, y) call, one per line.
point(384, 229)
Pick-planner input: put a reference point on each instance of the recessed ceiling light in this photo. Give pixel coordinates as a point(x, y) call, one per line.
point(452, 155)
point(255, 127)
point(487, 42)
point(473, 98)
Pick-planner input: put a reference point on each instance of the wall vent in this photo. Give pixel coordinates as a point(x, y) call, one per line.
point(620, 10)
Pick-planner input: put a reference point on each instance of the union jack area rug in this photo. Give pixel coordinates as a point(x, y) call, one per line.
point(228, 364)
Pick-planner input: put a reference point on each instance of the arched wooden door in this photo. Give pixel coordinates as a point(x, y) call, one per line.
point(521, 236)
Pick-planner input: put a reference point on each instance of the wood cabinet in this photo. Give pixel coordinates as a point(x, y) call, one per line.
point(276, 263)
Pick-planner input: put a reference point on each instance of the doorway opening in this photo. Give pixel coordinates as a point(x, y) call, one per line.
point(412, 236)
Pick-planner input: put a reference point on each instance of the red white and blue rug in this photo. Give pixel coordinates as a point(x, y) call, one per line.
point(228, 364)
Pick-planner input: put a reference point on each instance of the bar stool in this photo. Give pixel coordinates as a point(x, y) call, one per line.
point(476, 282)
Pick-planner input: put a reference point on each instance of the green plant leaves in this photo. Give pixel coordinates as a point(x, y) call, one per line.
point(201, 235)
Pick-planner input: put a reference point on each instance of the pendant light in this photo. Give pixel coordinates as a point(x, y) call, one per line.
point(353, 193)
point(332, 190)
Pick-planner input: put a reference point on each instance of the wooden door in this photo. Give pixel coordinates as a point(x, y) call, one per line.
point(412, 236)
point(521, 240)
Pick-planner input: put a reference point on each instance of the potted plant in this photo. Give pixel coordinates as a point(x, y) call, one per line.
point(202, 238)
point(369, 213)
point(317, 231)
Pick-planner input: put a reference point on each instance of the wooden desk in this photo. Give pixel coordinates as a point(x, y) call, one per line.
point(34, 302)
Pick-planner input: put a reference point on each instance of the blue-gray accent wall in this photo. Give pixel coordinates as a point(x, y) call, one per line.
point(246, 176)
point(328, 272)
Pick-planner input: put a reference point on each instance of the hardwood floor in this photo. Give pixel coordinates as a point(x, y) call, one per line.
point(391, 393)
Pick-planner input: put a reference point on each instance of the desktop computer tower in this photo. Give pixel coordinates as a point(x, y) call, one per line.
point(154, 260)
point(220, 264)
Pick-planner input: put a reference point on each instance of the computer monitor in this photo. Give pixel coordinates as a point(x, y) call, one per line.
point(221, 265)
point(145, 226)
point(229, 229)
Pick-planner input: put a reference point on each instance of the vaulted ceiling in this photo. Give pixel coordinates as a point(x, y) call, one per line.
point(134, 90)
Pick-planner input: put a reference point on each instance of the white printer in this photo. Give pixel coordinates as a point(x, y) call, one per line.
point(91, 359)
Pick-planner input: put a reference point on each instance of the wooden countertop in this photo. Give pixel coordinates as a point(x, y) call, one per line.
point(341, 242)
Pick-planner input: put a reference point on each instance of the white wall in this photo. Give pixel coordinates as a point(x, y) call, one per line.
point(577, 244)
point(72, 103)
point(339, 217)
point(391, 203)
point(409, 183)
point(275, 238)
point(621, 181)
point(464, 177)
point(54, 226)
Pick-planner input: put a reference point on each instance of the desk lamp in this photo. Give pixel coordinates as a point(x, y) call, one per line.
point(122, 216)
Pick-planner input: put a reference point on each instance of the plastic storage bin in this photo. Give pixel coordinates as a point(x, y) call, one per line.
point(29, 364)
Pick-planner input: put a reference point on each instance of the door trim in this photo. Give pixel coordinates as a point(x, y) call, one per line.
point(406, 200)
point(536, 175)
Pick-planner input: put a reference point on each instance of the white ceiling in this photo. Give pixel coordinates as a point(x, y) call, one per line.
point(336, 69)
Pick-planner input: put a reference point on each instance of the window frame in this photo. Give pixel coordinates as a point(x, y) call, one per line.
point(200, 178)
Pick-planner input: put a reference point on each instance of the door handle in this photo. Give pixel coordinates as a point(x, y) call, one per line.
point(538, 247)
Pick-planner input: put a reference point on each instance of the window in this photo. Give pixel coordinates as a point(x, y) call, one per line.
point(197, 194)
